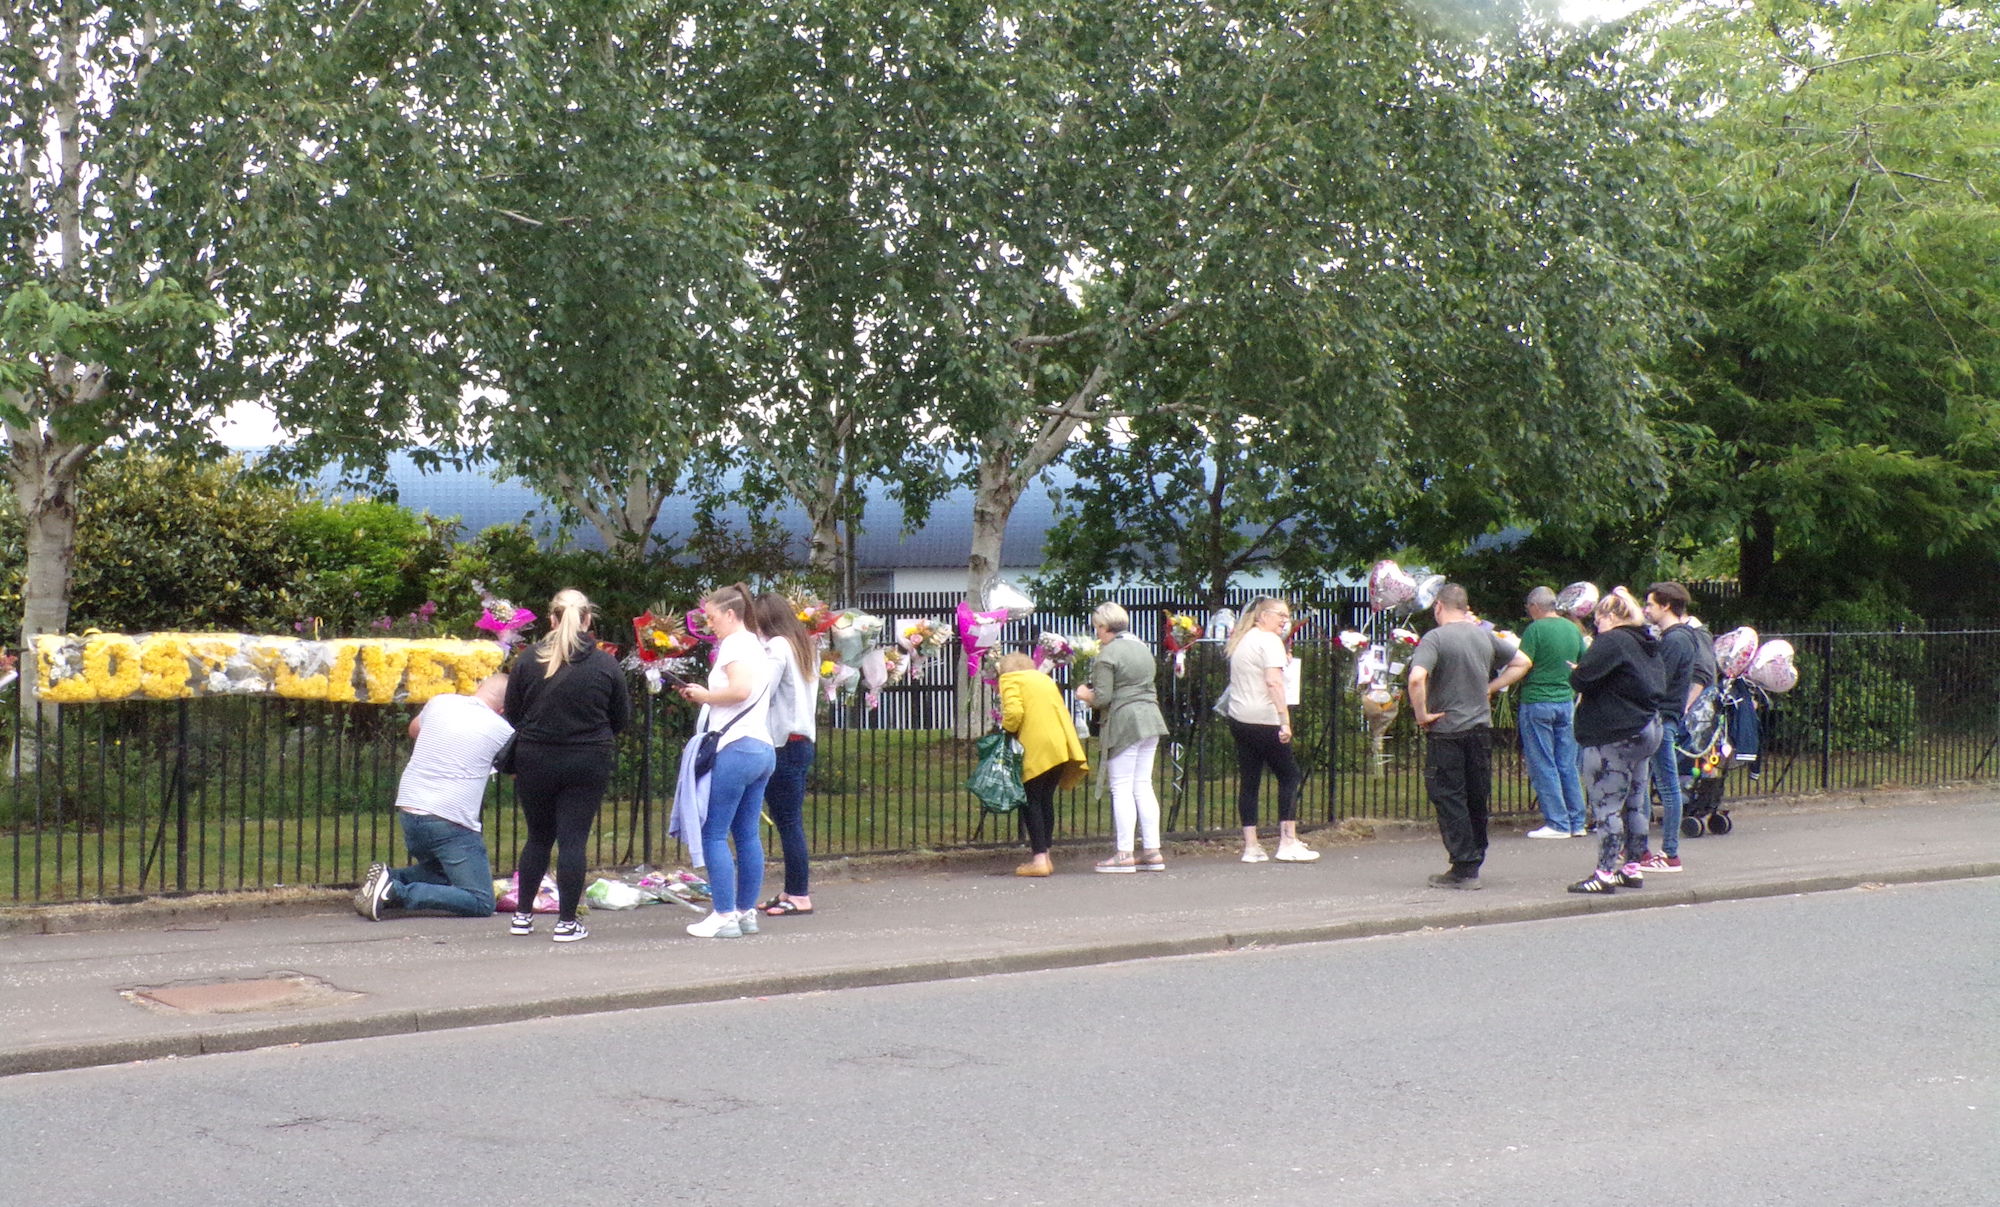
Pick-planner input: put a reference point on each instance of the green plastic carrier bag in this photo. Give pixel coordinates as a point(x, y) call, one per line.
point(996, 779)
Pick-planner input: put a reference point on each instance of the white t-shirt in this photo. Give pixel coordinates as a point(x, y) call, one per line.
point(457, 737)
point(793, 709)
point(1249, 697)
point(742, 646)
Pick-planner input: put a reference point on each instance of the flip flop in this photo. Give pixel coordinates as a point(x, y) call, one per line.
point(778, 907)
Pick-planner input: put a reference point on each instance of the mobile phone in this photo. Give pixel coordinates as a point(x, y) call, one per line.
point(675, 677)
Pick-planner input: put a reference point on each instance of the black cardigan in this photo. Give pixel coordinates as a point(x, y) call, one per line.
point(1622, 683)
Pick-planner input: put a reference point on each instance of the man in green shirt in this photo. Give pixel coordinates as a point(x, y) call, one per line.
point(1553, 643)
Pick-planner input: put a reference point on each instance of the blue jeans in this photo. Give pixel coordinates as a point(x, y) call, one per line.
point(1667, 777)
point(785, 800)
point(450, 872)
point(1548, 746)
point(735, 806)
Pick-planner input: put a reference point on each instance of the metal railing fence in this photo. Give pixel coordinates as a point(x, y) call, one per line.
point(112, 801)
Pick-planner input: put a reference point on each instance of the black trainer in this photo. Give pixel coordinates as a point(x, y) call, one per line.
point(1454, 880)
point(1594, 883)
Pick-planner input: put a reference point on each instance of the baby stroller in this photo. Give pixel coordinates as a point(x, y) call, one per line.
point(1721, 730)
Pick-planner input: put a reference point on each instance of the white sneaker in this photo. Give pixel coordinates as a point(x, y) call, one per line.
point(746, 921)
point(1548, 832)
point(716, 926)
point(1256, 855)
point(1296, 852)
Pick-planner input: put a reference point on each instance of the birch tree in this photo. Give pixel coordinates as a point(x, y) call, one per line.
point(217, 203)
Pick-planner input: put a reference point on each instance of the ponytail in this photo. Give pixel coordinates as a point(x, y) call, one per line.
point(737, 599)
point(569, 617)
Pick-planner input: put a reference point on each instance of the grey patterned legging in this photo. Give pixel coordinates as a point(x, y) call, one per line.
point(1615, 781)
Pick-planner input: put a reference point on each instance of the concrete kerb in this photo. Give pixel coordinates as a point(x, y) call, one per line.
point(405, 1022)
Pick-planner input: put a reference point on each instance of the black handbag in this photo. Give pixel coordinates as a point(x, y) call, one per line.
point(503, 758)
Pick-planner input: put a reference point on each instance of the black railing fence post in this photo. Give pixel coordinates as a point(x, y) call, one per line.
point(181, 797)
point(1826, 673)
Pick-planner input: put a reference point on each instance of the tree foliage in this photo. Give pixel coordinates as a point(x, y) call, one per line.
point(1837, 419)
point(618, 317)
point(1401, 287)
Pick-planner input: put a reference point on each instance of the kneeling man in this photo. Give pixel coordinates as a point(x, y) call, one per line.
point(438, 800)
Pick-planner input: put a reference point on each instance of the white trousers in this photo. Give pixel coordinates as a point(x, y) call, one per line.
point(1132, 798)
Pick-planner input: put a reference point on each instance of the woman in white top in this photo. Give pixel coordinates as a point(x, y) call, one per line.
point(1261, 723)
point(794, 703)
point(739, 701)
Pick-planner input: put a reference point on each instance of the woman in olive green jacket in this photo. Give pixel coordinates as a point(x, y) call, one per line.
point(1122, 693)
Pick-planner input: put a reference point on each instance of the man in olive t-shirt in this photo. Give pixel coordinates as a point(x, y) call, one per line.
point(1553, 644)
point(1452, 686)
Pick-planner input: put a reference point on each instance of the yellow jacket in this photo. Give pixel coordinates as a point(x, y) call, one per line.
point(1032, 709)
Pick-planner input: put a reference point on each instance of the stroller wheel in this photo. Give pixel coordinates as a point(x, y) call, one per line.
point(1691, 827)
point(1720, 824)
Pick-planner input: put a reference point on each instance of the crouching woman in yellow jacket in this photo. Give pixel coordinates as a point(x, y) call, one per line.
point(1032, 709)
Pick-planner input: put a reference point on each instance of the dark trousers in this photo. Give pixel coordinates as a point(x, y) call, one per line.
point(1258, 747)
point(559, 789)
point(1458, 773)
point(785, 801)
point(1038, 815)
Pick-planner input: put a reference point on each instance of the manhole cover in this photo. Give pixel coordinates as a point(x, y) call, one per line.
point(279, 991)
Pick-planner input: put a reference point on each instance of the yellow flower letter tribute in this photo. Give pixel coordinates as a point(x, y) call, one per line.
point(100, 667)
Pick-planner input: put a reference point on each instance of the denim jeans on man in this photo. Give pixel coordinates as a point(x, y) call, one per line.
point(735, 807)
point(1667, 778)
point(450, 871)
point(1548, 746)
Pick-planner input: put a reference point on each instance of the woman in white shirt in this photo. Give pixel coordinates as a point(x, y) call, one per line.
point(1261, 722)
point(739, 701)
point(794, 703)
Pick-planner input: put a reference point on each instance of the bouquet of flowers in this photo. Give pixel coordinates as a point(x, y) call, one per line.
point(815, 615)
point(501, 618)
point(1082, 652)
point(853, 634)
point(656, 638)
point(9, 670)
point(1378, 673)
point(979, 632)
point(1177, 634)
point(696, 622)
point(1052, 649)
point(917, 639)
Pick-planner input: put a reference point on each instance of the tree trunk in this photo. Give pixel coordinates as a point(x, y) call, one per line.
point(1757, 553)
point(43, 472)
point(997, 489)
point(823, 512)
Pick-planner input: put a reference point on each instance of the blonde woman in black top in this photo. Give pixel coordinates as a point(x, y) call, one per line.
point(568, 702)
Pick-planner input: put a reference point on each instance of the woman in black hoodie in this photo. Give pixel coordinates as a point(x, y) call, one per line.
point(1621, 681)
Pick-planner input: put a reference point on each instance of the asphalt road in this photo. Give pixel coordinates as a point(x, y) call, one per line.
point(1840, 1048)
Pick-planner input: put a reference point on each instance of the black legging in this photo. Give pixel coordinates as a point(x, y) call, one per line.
point(1258, 747)
point(559, 789)
point(1038, 814)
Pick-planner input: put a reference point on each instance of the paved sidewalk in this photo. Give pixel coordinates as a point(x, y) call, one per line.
point(71, 1000)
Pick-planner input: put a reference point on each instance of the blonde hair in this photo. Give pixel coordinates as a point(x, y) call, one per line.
point(1620, 609)
point(1015, 661)
point(1248, 622)
point(570, 614)
point(1111, 617)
